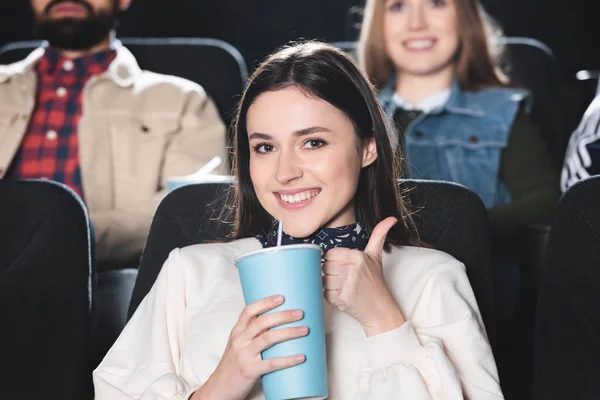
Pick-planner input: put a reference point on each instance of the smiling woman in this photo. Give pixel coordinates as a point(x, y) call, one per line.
point(311, 150)
point(307, 177)
point(309, 134)
point(435, 63)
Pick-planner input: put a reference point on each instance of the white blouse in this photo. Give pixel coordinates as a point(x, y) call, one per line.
point(178, 334)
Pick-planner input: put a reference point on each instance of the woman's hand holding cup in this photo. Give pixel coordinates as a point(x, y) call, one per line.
point(353, 281)
point(241, 364)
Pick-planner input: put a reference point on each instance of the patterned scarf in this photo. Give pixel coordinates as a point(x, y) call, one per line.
point(352, 236)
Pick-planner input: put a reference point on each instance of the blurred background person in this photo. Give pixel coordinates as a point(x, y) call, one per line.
point(83, 113)
point(454, 112)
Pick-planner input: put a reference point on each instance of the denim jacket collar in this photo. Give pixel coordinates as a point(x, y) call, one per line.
point(456, 104)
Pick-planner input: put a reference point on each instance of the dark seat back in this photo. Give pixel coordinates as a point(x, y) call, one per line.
point(530, 64)
point(46, 292)
point(567, 331)
point(450, 218)
point(214, 64)
point(453, 219)
point(188, 215)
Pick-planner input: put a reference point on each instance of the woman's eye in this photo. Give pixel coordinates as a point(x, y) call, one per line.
point(314, 144)
point(396, 6)
point(263, 148)
point(438, 3)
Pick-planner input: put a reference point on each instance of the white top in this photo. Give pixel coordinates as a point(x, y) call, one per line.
point(178, 334)
point(578, 159)
point(426, 104)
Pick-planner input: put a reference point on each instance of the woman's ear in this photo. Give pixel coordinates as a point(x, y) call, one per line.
point(369, 152)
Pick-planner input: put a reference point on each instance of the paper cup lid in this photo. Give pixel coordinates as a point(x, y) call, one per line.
point(276, 249)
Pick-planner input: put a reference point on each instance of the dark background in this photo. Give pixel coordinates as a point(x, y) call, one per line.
point(257, 27)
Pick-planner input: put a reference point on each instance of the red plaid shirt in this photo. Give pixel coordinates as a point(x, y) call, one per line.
point(50, 147)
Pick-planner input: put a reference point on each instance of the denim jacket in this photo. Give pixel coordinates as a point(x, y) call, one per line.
point(462, 141)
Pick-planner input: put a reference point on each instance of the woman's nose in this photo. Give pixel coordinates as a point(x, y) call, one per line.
point(288, 169)
point(416, 17)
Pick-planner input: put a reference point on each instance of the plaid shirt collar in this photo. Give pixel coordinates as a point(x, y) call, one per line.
point(123, 71)
point(85, 66)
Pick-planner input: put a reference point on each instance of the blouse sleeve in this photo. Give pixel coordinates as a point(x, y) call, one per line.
point(144, 362)
point(442, 352)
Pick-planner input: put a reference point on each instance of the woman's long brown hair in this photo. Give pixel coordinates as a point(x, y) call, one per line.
point(323, 71)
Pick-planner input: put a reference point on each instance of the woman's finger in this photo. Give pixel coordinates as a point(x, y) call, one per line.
point(331, 296)
point(338, 254)
point(270, 338)
point(252, 310)
point(267, 321)
point(333, 282)
point(377, 240)
point(334, 268)
point(263, 367)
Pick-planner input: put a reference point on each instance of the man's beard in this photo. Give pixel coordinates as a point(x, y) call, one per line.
point(76, 33)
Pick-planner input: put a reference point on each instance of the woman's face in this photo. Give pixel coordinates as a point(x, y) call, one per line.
point(421, 36)
point(305, 160)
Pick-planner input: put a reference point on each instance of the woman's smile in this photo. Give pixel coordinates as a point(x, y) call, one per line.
point(306, 160)
point(419, 44)
point(297, 199)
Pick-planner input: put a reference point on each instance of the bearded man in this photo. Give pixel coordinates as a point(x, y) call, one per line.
point(80, 111)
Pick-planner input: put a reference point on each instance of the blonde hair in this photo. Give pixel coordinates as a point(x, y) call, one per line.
point(477, 63)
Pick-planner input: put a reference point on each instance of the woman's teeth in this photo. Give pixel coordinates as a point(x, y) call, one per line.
point(419, 44)
point(298, 197)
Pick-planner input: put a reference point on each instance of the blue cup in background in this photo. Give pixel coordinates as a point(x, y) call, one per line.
point(293, 271)
point(177, 182)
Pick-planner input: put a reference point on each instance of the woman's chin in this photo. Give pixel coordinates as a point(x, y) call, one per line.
point(301, 230)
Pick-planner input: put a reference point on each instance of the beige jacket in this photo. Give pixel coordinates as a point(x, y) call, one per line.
point(137, 129)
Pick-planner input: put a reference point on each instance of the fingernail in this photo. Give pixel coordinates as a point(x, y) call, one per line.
point(277, 299)
point(297, 313)
point(300, 358)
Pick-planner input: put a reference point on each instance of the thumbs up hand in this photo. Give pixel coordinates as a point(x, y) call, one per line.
point(354, 283)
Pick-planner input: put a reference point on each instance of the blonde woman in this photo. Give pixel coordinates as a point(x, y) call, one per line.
point(458, 120)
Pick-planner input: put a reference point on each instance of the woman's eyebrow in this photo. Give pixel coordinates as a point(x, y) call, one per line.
point(261, 136)
point(312, 129)
point(301, 132)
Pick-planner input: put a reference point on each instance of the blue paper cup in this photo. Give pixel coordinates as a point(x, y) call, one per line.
point(293, 271)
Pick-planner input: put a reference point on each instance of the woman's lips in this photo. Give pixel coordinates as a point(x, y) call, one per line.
point(419, 45)
point(297, 199)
